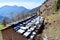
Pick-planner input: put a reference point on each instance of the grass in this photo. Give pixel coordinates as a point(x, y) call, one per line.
point(53, 16)
point(1, 26)
point(53, 29)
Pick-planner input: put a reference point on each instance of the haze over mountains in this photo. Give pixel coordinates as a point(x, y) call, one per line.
point(6, 11)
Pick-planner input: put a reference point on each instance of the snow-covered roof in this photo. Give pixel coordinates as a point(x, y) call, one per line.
point(29, 29)
point(26, 33)
point(20, 31)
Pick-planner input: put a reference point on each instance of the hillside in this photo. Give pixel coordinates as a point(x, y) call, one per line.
point(50, 10)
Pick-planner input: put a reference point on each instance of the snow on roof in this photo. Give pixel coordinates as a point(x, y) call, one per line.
point(26, 33)
point(34, 33)
point(34, 27)
point(20, 31)
point(31, 37)
point(23, 28)
point(30, 29)
point(37, 22)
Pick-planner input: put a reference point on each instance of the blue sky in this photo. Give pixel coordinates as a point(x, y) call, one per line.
point(30, 4)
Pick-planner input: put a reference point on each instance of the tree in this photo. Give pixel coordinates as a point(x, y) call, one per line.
point(4, 22)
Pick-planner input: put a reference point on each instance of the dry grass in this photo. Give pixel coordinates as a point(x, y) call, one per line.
point(53, 30)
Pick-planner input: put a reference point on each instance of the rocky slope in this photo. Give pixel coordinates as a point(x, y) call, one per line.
point(52, 20)
point(50, 11)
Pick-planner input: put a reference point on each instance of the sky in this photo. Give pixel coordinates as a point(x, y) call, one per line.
point(29, 4)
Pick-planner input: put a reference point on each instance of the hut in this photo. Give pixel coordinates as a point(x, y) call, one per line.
point(9, 34)
point(24, 30)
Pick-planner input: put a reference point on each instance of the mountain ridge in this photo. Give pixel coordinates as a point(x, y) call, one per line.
point(6, 12)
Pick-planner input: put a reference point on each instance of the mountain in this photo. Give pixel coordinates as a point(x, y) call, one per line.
point(7, 10)
point(5, 18)
point(1, 18)
point(34, 10)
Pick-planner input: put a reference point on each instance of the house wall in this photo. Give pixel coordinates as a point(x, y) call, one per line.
point(9, 34)
point(1, 36)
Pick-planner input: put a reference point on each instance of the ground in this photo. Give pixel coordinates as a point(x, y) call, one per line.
point(52, 28)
